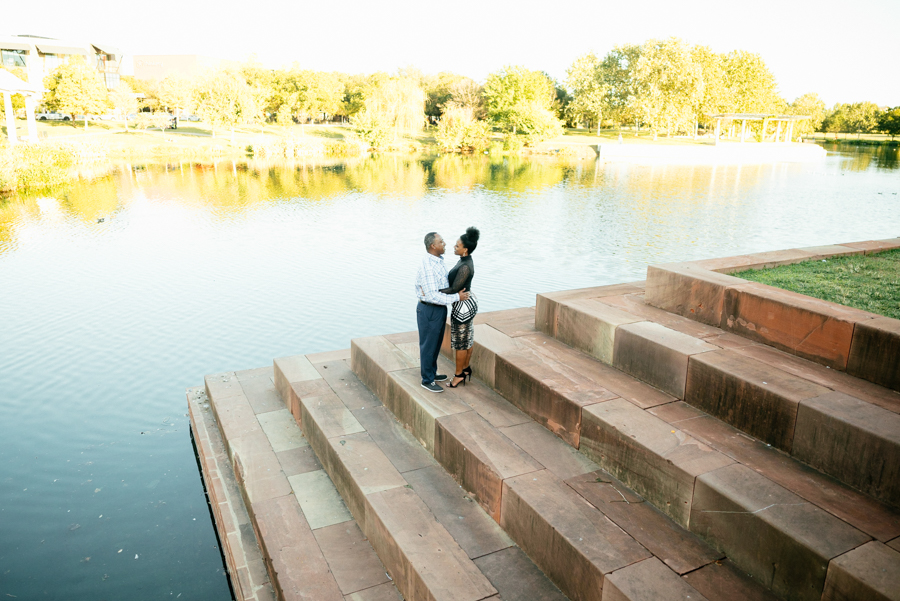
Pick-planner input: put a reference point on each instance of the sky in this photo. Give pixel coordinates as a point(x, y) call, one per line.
point(844, 51)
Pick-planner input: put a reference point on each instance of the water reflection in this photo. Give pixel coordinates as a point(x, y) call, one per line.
point(230, 188)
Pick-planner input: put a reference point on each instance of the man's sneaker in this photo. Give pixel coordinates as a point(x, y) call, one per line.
point(432, 387)
point(440, 377)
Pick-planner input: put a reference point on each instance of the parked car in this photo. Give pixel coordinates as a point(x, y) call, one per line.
point(51, 116)
point(190, 118)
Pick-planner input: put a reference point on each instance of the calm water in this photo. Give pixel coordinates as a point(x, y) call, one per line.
point(195, 270)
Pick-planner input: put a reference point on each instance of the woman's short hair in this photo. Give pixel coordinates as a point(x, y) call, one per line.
point(470, 239)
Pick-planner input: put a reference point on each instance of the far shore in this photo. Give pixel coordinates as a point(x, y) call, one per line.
point(105, 143)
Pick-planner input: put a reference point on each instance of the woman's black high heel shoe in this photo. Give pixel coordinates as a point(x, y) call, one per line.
point(468, 372)
point(463, 381)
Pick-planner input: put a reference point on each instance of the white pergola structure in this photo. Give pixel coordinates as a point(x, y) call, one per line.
point(765, 118)
point(9, 85)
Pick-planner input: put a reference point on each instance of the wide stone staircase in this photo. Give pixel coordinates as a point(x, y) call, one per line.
point(607, 449)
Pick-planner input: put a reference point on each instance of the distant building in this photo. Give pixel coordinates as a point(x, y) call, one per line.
point(158, 66)
point(38, 56)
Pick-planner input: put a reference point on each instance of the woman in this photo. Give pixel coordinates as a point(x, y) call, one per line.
point(462, 318)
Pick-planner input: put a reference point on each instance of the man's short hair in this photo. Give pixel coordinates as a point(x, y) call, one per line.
point(429, 239)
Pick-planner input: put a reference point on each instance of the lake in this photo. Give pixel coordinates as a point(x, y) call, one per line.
point(118, 293)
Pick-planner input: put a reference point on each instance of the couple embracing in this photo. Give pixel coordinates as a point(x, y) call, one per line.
point(436, 290)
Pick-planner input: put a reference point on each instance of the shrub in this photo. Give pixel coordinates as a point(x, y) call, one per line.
point(513, 143)
point(42, 165)
point(371, 129)
point(458, 130)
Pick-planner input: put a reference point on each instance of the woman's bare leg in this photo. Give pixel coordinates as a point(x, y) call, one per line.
point(460, 361)
point(468, 357)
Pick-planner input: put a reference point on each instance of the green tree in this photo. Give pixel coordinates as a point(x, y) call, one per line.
point(588, 88)
point(75, 87)
point(224, 100)
point(812, 106)
point(175, 93)
point(836, 121)
point(466, 93)
point(715, 97)
point(752, 85)
point(518, 99)
point(862, 117)
point(439, 91)
point(123, 101)
point(889, 121)
point(668, 85)
point(617, 71)
point(146, 90)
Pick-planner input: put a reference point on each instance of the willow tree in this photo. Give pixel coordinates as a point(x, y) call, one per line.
point(393, 106)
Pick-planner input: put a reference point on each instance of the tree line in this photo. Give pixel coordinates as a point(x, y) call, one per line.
point(663, 86)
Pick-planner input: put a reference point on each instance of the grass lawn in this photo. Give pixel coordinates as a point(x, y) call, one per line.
point(867, 282)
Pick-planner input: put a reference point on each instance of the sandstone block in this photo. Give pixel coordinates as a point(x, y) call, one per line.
point(680, 550)
point(648, 580)
point(689, 290)
point(656, 460)
point(292, 369)
point(568, 539)
point(359, 469)
point(353, 563)
point(479, 457)
point(875, 246)
point(657, 355)
point(875, 352)
point(857, 509)
point(372, 359)
point(838, 381)
point(854, 441)
point(804, 326)
point(590, 326)
point(488, 344)
point(419, 554)
point(516, 577)
point(417, 408)
point(871, 572)
point(299, 568)
point(547, 389)
point(777, 537)
point(547, 306)
point(724, 580)
point(556, 456)
point(748, 394)
point(473, 529)
point(320, 500)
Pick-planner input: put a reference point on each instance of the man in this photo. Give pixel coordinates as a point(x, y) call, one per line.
point(431, 312)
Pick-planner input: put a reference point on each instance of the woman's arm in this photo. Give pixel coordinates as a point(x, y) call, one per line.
point(462, 274)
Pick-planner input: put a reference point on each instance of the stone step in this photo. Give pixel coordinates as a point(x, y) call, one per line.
point(864, 344)
point(434, 539)
point(243, 557)
point(579, 524)
point(311, 546)
point(739, 383)
point(686, 476)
